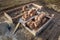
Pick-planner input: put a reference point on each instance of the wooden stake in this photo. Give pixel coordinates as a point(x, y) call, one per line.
point(16, 28)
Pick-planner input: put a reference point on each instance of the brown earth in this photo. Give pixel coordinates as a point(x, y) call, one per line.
point(52, 32)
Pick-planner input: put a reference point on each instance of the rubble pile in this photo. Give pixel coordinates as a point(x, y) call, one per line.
point(32, 16)
point(37, 21)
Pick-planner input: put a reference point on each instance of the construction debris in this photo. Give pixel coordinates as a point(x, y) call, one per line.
point(34, 20)
point(37, 21)
point(31, 16)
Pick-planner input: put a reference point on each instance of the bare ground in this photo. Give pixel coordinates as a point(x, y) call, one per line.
point(52, 32)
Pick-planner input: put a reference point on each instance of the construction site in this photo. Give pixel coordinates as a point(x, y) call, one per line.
point(29, 20)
